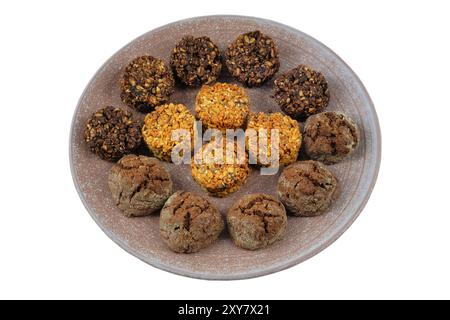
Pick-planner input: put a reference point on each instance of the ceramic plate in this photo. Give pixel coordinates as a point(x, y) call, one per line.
point(305, 237)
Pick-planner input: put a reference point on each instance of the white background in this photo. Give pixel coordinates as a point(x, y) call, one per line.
point(397, 248)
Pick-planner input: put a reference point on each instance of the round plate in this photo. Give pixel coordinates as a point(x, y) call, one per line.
point(305, 237)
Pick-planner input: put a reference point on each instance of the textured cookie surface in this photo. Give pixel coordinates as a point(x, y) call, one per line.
point(222, 106)
point(139, 185)
point(215, 173)
point(307, 188)
point(256, 221)
point(252, 58)
point(112, 133)
point(330, 137)
point(301, 92)
point(146, 83)
point(287, 144)
point(196, 61)
point(161, 123)
point(189, 223)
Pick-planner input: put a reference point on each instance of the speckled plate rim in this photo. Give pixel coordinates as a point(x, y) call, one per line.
point(314, 249)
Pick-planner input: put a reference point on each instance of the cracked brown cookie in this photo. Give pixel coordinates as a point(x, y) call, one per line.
point(139, 185)
point(307, 188)
point(189, 223)
point(256, 221)
point(196, 61)
point(112, 133)
point(330, 137)
point(146, 83)
point(301, 92)
point(252, 58)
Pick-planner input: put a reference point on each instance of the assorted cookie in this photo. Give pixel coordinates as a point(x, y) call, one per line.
point(196, 61)
point(307, 188)
point(220, 179)
point(252, 58)
point(158, 127)
point(289, 137)
point(222, 106)
point(301, 92)
point(146, 83)
point(189, 222)
point(256, 221)
point(330, 137)
point(112, 133)
point(141, 185)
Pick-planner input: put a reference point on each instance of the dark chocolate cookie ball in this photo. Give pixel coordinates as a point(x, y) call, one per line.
point(252, 58)
point(189, 222)
point(139, 185)
point(196, 61)
point(330, 137)
point(307, 188)
point(146, 83)
point(256, 221)
point(301, 92)
point(112, 133)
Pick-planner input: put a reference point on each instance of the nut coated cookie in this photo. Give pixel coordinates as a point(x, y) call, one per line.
point(112, 133)
point(146, 83)
point(252, 58)
point(222, 106)
point(219, 179)
point(290, 137)
point(159, 125)
point(196, 61)
point(301, 92)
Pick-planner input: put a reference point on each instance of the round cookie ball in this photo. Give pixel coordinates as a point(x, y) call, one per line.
point(307, 188)
point(139, 185)
point(158, 127)
point(222, 106)
point(189, 223)
point(256, 221)
point(112, 133)
point(196, 61)
point(219, 179)
point(252, 58)
point(330, 137)
point(289, 135)
point(146, 83)
point(301, 92)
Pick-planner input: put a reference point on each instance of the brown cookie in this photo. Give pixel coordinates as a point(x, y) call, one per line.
point(252, 58)
point(256, 221)
point(112, 133)
point(146, 83)
point(301, 92)
point(307, 188)
point(196, 61)
point(139, 185)
point(188, 222)
point(330, 137)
